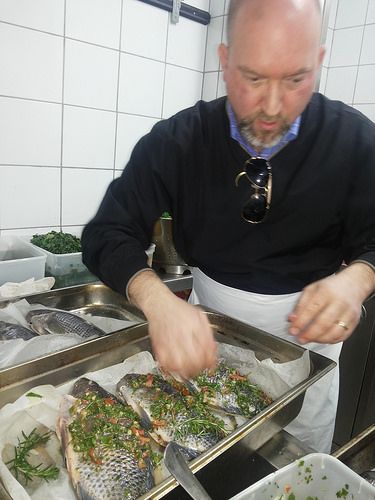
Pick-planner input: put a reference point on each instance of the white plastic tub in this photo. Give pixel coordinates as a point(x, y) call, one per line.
point(20, 260)
point(67, 268)
point(317, 476)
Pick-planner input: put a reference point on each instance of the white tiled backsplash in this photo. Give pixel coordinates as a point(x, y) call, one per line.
point(82, 80)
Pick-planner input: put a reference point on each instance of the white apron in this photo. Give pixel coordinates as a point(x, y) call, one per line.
point(315, 423)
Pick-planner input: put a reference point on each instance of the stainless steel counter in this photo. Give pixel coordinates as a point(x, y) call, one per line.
point(177, 282)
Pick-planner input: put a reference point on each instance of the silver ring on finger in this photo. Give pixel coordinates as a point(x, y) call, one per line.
point(342, 324)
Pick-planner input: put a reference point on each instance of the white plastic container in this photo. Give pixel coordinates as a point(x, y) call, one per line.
point(317, 476)
point(67, 268)
point(20, 260)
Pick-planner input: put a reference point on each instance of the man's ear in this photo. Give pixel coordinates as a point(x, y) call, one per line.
point(223, 56)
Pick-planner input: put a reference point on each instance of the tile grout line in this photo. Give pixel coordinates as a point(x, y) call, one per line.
point(62, 123)
point(118, 89)
point(165, 69)
point(205, 53)
point(360, 54)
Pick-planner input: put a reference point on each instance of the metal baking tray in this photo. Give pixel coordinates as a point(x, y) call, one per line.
point(66, 365)
point(94, 299)
point(359, 452)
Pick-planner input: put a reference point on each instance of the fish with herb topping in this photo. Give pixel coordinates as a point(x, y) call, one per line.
point(225, 388)
point(47, 321)
point(11, 331)
point(171, 416)
point(108, 454)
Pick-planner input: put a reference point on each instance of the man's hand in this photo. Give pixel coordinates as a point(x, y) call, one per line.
point(329, 310)
point(181, 336)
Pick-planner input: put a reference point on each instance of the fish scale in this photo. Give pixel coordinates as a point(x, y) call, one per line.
point(142, 399)
point(62, 322)
point(11, 331)
point(118, 474)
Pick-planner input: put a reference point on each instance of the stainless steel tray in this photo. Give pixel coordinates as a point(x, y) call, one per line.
point(95, 299)
point(359, 452)
point(101, 352)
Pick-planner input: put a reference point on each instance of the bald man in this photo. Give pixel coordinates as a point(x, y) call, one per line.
point(271, 189)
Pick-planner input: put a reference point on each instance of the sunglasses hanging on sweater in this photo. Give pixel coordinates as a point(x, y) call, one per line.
point(258, 173)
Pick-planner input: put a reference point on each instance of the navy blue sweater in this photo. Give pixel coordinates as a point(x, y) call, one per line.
point(322, 209)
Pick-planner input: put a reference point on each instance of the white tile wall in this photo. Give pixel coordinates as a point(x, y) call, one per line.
point(90, 75)
point(341, 83)
point(210, 85)
point(217, 7)
point(129, 129)
point(351, 67)
point(95, 21)
point(367, 109)
point(29, 196)
point(371, 12)
point(182, 87)
point(153, 21)
point(215, 31)
point(82, 188)
point(346, 47)
point(368, 48)
point(141, 85)
point(185, 42)
point(323, 80)
point(81, 81)
point(31, 63)
point(30, 132)
point(83, 129)
point(365, 89)
point(328, 47)
point(45, 15)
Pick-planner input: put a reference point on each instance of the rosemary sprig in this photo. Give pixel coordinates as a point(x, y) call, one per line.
point(19, 464)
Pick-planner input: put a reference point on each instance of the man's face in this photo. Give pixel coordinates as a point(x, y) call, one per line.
point(270, 70)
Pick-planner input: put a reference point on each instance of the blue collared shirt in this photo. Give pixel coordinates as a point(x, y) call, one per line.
point(267, 152)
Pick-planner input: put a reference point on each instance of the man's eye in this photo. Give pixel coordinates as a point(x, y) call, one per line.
point(253, 79)
point(295, 80)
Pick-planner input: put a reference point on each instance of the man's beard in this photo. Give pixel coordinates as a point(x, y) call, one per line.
point(262, 139)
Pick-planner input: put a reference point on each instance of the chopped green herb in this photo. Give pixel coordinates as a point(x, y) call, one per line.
point(101, 423)
point(33, 395)
point(20, 465)
point(57, 242)
point(166, 215)
point(343, 493)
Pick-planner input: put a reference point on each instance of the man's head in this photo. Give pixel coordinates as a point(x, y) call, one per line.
point(270, 64)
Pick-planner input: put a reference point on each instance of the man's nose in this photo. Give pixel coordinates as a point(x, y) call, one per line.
point(272, 99)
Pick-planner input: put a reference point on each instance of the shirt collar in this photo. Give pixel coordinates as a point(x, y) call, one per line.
point(235, 134)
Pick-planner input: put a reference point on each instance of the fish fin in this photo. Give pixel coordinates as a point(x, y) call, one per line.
point(150, 476)
point(144, 418)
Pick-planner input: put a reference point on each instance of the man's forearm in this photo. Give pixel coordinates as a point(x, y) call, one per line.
point(362, 274)
point(146, 290)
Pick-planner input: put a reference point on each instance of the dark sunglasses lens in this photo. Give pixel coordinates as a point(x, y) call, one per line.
point(255, 209)
point(257, 171)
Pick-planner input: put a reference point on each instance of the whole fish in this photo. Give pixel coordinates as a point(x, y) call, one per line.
point(11, 331)
point(227, 389)
point(108, 455)
point(46, 321)
point(169, 415)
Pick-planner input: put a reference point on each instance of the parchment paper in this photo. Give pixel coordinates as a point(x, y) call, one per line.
point(17, 351)
point(29, 412)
